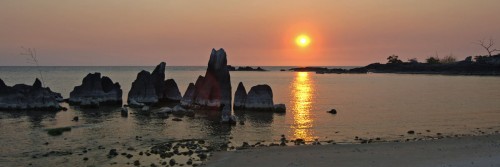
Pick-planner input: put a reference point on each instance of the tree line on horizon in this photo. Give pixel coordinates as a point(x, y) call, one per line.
point(450, 59)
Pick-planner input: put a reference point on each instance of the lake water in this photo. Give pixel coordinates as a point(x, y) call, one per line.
point(368, 105)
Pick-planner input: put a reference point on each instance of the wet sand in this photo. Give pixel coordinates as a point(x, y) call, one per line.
point(459, 151)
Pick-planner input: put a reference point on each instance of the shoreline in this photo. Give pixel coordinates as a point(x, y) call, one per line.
point(455, 151)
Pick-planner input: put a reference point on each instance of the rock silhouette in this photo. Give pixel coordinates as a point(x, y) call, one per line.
point(240, 97)
point(260, 97)
point(26, 97)
point(214, 89)
point(151, 88)
point(95, 91)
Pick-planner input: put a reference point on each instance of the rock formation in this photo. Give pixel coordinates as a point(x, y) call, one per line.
point(25, 97)
point(95, 91)
point(260, 97)
point(151, 88)
point(281, 108)
point(188, 97)
point(172, 91)
point(240, 97)
point(213, 90)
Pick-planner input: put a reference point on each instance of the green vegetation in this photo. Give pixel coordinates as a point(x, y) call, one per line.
point(58, 131)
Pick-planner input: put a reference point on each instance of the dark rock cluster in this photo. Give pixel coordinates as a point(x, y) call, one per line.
point(26, 97)
point(95, 91)
point(212, 91)
point(151, 88)
point(259, 98)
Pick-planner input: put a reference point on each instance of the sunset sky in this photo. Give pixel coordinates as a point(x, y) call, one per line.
point(254, 32)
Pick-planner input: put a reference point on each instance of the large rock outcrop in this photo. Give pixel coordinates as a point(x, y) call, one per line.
point(240, 97)
point(214, 89)
point(96, 90)
point(151, 88)
point(260, 97)
point(25, 97)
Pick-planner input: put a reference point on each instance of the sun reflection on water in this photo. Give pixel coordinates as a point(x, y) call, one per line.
point(302, 92)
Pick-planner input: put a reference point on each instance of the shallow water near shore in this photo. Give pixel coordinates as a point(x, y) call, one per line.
point(369, 106)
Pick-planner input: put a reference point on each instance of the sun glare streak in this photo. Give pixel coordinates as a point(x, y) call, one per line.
point(302, 103)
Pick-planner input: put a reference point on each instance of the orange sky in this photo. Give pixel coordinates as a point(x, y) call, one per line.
point(257, 32)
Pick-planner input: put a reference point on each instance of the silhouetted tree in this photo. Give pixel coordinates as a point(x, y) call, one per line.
point(432, 60)
point(488, 46)
point(413, 61)
point(468, 59)
point(32, 59)
point(448, 59)
point(393, 59)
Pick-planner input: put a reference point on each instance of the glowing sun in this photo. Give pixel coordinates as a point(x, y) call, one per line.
point(302, 40)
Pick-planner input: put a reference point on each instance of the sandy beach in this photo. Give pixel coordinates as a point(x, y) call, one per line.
point(460, 151)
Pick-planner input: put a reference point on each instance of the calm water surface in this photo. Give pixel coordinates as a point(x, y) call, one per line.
point(368, 105)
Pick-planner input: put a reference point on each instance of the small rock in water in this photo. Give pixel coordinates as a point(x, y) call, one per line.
point(316, 142)
point(124, 112)
point(172, 162)
point(332, 111)
point(129, 156)
point(299, 141)
point(202, 156)
point(145, 108)
point(85, 158)
point(75, 119)
point(280, 108)
point(189, 162)
point(112, 153)
point(411, 132)
point(137, 163)
point(176, 119)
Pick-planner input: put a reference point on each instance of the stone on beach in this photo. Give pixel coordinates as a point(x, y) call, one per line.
point(25, 97)
point(95, 91)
